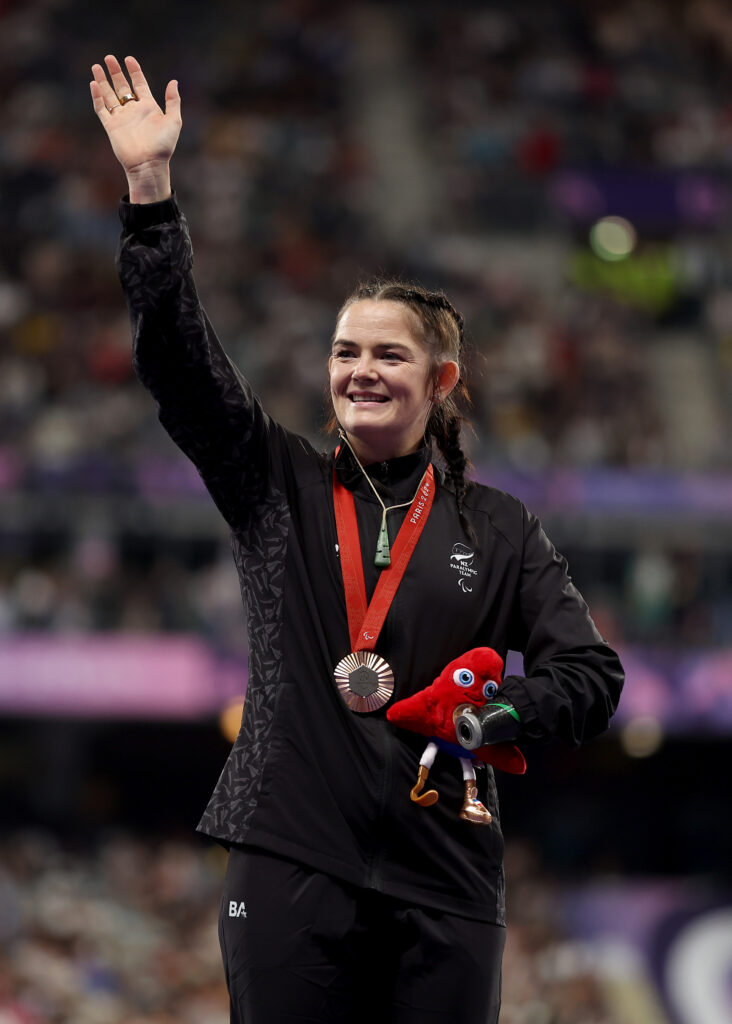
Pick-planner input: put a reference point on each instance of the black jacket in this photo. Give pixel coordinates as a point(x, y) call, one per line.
point(307, 778)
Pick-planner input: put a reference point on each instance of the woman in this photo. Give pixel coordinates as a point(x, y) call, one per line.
point(345, 900)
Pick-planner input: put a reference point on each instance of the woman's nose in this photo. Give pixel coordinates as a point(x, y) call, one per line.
point(365, 366)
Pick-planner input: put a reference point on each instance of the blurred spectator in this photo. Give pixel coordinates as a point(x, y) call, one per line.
point(127, 934)
point(524, 115)
point(274, 170)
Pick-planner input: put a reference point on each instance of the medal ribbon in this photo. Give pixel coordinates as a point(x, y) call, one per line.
point(365, 620)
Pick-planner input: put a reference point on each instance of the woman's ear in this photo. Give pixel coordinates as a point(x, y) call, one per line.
point(448, 375)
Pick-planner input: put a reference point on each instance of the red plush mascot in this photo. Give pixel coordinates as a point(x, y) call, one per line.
point(470, 680)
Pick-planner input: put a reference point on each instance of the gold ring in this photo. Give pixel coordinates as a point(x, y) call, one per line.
point(126, 97)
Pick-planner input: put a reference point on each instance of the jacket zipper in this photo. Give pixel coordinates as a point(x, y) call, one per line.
point(375, 860)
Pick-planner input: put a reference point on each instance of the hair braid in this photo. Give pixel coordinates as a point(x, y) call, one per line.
point(445, 428)
point(445, 423)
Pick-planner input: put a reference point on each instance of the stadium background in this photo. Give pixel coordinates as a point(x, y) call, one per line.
point(478, 148)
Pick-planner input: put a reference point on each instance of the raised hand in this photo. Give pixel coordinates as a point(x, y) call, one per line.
point(143, 138)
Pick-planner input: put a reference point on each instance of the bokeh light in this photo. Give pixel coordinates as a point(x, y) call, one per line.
point(613, 238)
point(642, 736)
point(230, 720)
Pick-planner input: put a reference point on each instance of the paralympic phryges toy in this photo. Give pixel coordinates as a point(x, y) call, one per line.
point(470, 681)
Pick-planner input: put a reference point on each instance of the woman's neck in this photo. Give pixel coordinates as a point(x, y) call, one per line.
point(368, 453)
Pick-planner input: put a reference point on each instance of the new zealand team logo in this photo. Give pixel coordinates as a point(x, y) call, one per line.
point(461, 560)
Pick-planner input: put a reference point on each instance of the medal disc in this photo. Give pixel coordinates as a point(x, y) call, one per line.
point(364, 680)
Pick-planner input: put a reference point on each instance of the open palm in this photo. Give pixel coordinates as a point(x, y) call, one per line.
point(140, 133)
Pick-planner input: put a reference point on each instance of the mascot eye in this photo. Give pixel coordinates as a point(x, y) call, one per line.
point(463, 676)
point(490, 689)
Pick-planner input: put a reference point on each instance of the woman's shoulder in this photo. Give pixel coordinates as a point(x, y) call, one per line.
point(481, 497)
point(306, 456)
point(503, 511)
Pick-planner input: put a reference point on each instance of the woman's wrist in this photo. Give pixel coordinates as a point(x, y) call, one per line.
point(149, 185)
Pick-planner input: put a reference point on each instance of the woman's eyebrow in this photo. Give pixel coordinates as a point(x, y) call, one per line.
point(379, 344)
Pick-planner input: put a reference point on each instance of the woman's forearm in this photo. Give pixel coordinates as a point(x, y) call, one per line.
point(204, 403)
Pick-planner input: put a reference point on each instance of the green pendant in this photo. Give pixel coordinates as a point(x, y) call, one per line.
point(382, 558)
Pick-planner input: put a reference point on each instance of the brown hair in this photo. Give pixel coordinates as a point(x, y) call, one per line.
point(439, 327)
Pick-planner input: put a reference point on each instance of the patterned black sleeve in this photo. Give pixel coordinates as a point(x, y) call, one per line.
point(204, 403)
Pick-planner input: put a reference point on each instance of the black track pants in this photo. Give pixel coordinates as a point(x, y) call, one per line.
point(300, 946)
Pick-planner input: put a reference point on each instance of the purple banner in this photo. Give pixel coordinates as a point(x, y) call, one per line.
point(120, 676)
point(128, 675)
point(650, 198)
point(607, 491)
point(615, 491)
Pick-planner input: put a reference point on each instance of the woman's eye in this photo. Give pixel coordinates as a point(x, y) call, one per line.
point(392, 356)
point(344, 353)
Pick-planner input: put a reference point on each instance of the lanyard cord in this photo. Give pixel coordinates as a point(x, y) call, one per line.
point(383, 556)
point(371, 484)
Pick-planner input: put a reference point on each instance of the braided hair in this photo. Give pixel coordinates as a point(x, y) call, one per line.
point(440, 328)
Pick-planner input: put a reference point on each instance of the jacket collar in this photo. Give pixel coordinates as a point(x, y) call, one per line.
point(396, 479)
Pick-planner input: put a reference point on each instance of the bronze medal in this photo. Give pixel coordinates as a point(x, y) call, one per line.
point(364, 680)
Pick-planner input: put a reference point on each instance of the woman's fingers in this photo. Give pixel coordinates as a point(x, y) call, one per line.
point(108, 94)
point(139, 82)
point(100, 107)
point(172, 106)
point(140, 133)
point(119, 80)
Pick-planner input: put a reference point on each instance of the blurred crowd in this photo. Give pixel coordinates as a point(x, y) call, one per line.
point(275, 169)
point(127, 934)
point(124, 934)
point(542, 118)
point(114, 583)
point(520, 91)
point(677, 598)
point(525, 118)
point(278, 164)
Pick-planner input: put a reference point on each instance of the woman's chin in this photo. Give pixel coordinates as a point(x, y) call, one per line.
point(359, 420)
point(367, 428)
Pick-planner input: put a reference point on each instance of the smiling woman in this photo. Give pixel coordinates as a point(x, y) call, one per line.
point(411, 341)
point(331, 866)
point(380, 365)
